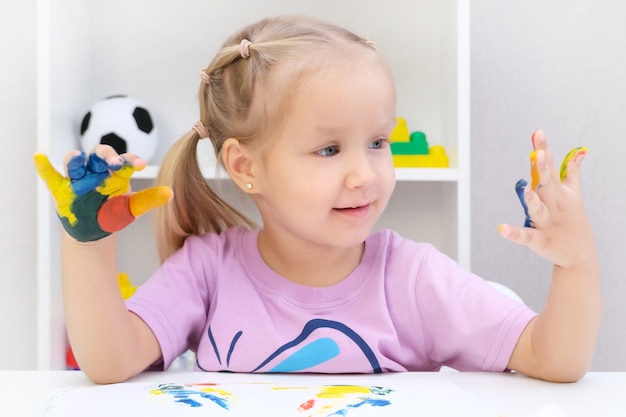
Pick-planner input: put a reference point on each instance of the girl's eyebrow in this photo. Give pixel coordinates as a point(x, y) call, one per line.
point(330, 129)
point(392, 124)
point(326, 128)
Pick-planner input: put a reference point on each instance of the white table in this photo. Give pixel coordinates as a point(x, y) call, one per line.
point(24, 393)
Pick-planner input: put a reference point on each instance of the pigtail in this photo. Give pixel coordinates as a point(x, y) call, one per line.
point(196, 208)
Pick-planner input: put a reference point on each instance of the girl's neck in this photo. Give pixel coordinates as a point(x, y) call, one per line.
point(307, 263)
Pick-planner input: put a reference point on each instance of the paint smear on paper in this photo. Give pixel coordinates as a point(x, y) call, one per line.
point(196, 395)
point(317, 401)
point(338, 400)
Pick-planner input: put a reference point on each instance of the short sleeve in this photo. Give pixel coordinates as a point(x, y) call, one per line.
point(470, 325)
point(174, 301)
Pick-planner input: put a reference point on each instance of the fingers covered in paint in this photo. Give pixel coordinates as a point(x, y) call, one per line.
point(570, 168)
point(552, 204)
point(151, 198)
point(119, 211)
point(94, 198)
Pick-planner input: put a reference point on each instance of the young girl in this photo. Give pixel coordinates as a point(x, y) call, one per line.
point(299, 113)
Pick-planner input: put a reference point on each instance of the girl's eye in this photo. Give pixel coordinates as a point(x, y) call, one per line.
point(329, 150)
point(378, 144)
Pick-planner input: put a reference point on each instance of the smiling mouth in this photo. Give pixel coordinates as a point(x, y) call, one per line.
point(354, 212)
point(353, 208)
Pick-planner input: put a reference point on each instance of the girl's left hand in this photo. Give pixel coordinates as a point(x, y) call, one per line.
point(557, 228)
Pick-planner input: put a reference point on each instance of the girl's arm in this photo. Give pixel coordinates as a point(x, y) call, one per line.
point(110, 343)
point(93, 202)
point(558, 344)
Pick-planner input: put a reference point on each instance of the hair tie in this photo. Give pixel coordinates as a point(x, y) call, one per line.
point(204, 76)
point(244, 48)
point(201, 130)
point(371, 43)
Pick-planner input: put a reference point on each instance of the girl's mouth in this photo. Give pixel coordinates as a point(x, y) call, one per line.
point(356, 211)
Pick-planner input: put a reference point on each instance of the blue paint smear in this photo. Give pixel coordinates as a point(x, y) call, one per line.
point(190, 402)
point(87, 173)
point(183, 396)
point(222, 402)
point(371, 401)
point(380, 390)
point(366, 401)
point(519, 189)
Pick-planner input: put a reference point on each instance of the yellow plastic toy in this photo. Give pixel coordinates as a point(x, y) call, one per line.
point(412, 150)
point(126, 287)
point(400, 133)
point(436, 158)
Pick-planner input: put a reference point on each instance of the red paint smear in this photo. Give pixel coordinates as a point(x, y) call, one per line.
point(115, 214)
point(307, 405)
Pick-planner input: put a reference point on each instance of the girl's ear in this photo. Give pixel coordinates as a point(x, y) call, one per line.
point(237, 159)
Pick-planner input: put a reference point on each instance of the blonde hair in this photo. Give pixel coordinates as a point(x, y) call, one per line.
point(232, 107)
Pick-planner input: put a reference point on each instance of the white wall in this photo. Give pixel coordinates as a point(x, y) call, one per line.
point(559, 65)
point(18, 121)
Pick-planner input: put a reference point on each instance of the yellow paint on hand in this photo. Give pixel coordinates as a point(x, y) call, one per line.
point(58, 185)
point(146, 200)
point(574, 153)
point(534, 171)
point(118, 183)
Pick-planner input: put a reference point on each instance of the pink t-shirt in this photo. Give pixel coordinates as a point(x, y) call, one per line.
point(406, 307)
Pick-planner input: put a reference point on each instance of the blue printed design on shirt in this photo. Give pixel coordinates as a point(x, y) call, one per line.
point(314, 353)
point(306, 355)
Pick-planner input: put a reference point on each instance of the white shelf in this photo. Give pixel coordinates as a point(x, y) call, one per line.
point(427, 174)
point(402, 174)
point(153, 51)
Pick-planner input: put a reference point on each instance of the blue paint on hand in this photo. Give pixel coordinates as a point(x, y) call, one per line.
point(520, 186)
point(86, 177)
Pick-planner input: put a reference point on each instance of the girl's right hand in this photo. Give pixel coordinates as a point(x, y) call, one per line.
point(94, 199)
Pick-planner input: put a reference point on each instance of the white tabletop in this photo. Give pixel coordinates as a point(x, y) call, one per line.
point(24, 393)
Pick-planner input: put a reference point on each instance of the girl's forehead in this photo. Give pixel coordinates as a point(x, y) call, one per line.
point(310, 87)
point(334, 65)
point(360, 79)
point(332, 100)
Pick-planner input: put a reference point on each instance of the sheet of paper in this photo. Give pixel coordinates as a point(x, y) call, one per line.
point(340, 398)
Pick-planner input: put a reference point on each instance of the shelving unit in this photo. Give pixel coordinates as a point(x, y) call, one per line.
point(154, 50)
point(402, 174)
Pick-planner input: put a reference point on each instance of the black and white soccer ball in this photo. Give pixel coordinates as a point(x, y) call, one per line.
point(122, 122)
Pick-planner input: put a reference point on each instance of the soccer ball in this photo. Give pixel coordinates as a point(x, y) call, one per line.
point(121, 122)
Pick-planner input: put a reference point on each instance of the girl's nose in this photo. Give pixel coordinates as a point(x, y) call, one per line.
point(361, 173)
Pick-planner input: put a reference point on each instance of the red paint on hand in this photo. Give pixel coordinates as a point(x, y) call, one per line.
point(115, 214)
